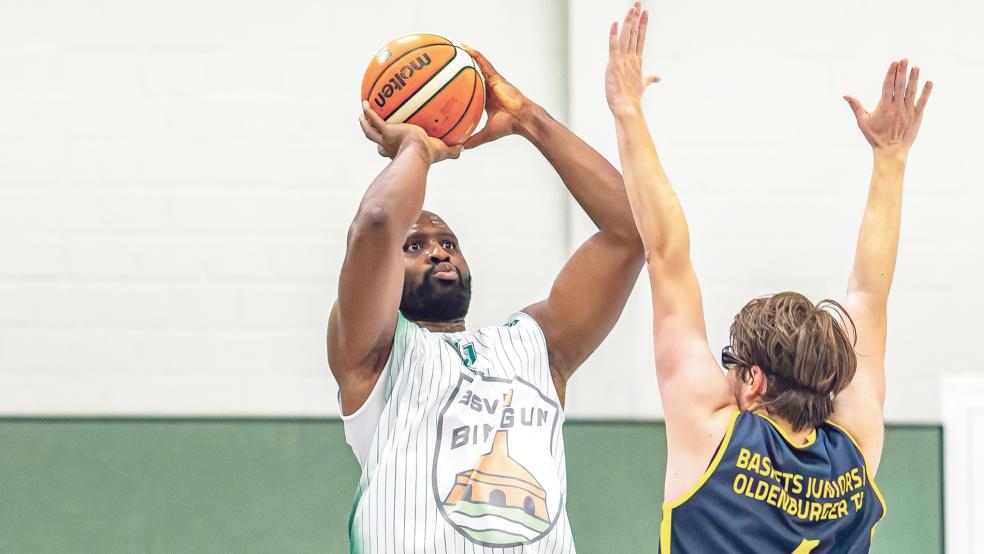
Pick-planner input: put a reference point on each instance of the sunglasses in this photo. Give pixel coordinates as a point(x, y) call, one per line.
point(729, 359)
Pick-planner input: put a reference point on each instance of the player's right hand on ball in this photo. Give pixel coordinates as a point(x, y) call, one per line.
point(624, 81)
point(391, 139)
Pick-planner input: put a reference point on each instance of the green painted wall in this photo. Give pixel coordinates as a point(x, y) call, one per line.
point(286, 486)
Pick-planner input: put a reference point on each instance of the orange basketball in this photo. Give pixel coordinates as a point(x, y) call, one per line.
point(429, 81)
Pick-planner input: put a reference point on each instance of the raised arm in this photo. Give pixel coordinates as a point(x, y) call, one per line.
point(590, 292)
point(891, 130)
point(362, 321)
point(695, 393)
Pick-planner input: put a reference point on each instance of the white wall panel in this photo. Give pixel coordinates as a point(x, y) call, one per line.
point(177, 179)
point(963, 428)
point(772, 172)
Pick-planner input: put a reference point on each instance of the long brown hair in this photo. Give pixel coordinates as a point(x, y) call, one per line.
point(803, 349)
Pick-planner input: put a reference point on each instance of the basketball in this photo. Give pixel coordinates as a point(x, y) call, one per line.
point(429, 81)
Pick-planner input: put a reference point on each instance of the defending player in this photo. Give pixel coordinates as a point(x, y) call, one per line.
point(761, 457)
point(459, 432)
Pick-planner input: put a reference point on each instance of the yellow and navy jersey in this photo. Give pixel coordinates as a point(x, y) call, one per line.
point(763, 494)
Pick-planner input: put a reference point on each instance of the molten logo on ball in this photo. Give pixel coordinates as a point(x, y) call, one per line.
point(399, 79)
point(428, 81)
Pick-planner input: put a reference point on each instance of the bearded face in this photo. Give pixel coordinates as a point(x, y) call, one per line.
point(437, 282)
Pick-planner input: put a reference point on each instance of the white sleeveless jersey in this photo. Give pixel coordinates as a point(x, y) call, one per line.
point(461, 446)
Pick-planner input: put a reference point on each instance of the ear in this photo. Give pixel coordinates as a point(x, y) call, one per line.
point(757, 382)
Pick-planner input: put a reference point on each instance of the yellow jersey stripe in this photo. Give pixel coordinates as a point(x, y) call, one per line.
point(871, 478)
point(665, 531)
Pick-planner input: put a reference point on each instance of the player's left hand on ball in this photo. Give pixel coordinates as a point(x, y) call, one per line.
point(504, 104)
point(624, 80)
point(391, 138)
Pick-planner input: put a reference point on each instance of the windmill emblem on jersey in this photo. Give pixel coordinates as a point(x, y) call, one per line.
point(481, 483)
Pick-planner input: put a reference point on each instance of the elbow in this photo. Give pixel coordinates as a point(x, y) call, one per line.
point(667, 252)
point(372, 216)
point(659, 259)
point(370, 221)
point(871, 299)
point(629, 239)
point(873, 289)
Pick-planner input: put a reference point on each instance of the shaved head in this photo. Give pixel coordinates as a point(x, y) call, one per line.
point(431, 217)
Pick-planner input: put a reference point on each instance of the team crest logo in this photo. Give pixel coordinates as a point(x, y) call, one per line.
point(467, 352)
point(495, 479)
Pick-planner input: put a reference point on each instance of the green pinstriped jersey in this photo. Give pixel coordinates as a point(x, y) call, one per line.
point(467, 454)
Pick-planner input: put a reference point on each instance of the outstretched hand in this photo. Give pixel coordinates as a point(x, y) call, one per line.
point(504, 104)
point(624, 81)
point(390, 138)
point(893, 126)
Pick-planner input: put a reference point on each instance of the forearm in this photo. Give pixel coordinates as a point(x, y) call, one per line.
point(371, 278)
point(655, 207)
point(372, 273)
point(394, 199)
point(878, 239)
point(591, 179)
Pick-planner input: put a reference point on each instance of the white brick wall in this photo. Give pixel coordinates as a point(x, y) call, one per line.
point(176, 180)
point(773, 173)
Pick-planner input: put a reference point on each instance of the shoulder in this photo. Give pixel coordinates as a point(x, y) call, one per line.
point(841, 438)
point(520, 330)
point(527, 331)
point(694, 454)
point(864, 425)
point(524, 320)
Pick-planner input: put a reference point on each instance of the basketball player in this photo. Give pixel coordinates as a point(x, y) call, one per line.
point(778, 453)
point(459, 432)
